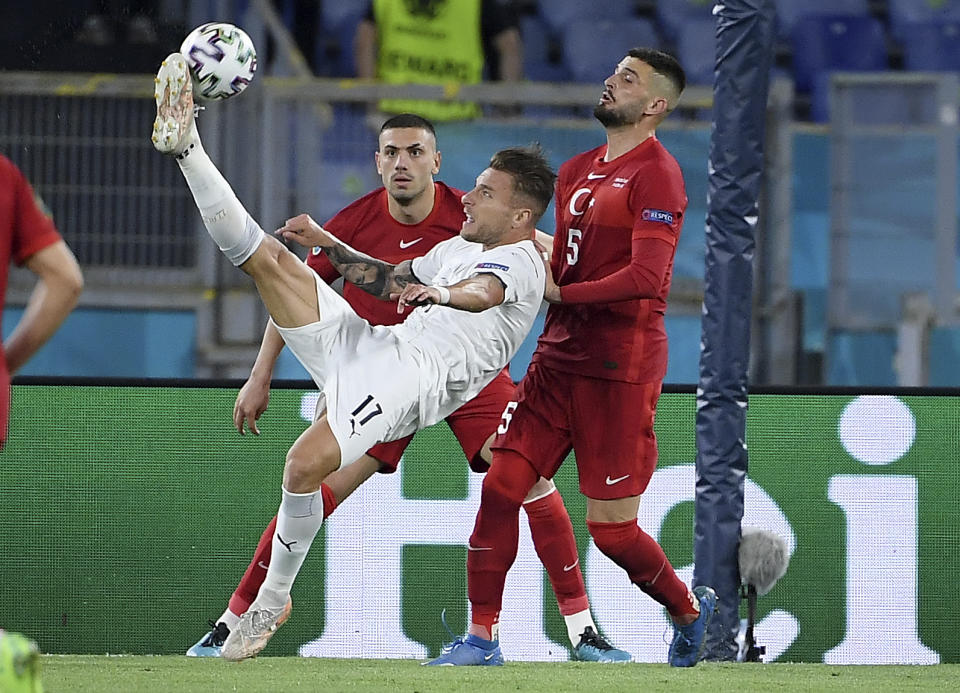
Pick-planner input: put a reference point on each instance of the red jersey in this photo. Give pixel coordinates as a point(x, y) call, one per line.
point(25, 228)
point(618, 223)
point(367, 226)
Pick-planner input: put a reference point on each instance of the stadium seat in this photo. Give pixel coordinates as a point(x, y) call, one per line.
point(561, 14)
point(932, 46)
point(876, 105)
point(835, 42)
point(592, 49)
point(903, 13)
point(539, 45)
point(672, 15)
point(857, 357)
point(789, 12)
point(696, 49)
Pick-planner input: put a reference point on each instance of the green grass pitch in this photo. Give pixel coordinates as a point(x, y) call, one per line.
point(178, 674)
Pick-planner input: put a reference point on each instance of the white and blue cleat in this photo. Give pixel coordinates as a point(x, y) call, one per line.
point(210, 644)
point(593, 647)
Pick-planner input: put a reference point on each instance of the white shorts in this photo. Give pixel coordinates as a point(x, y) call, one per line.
point(370, 381)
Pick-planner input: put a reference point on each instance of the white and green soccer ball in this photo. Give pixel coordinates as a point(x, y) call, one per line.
point(221, 58)
point(19, 664)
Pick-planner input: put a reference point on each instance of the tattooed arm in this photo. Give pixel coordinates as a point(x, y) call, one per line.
point(368, 273)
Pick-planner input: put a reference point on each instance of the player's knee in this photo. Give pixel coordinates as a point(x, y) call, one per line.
point(613, 538)
point(542, 488)
point(511, 477)
point(305, 469)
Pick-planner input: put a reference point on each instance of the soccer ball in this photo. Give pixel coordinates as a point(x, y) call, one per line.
point(221, 58)
point(19, 664)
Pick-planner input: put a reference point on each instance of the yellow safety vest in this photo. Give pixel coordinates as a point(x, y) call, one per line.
point(429, 42)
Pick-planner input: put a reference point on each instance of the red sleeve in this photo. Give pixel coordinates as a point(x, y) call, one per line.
point(343, 229)
point(319, 263)
point(657, 219)
point(33, 227)
point(642, 278)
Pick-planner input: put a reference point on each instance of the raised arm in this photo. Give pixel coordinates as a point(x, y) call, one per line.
point(374, 276)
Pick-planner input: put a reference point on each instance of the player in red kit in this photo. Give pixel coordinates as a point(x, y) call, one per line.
point(594, 380)
point(403, 220)
point(28, 238)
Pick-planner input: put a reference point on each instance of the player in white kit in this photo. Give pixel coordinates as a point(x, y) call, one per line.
point(390, 381)
point(478, 295)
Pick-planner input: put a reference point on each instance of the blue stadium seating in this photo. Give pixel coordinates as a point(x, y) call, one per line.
point(903, 13)
point(537, 64)
point(932, 46)
point(696, 49)
point(559, 15)
point(672, 15)
point(858, 357)
point(886, 105)
point(341, 12)
point(789, 12)
point(338, 24)
point(835, 42)
point(592, 49)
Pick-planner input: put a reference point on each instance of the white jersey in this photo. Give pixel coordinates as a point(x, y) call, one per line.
point(469, 349)
point(384, 383)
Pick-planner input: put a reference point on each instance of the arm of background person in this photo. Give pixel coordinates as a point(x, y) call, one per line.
point(59, 283)
point(254, 396)
point(365, 49)
point(546, 241)
point(509, 49)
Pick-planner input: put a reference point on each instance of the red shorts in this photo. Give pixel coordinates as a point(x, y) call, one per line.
point(472, 424)
point(607, 423)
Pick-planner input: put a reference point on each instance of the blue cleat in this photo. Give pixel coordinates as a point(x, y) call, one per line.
point(594, 648)
point(211, 643)
point(469, 652)
point(687, 644)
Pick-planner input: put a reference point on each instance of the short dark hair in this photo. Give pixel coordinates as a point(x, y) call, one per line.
point(662, 63)
point(532, 176)
point(409, 120)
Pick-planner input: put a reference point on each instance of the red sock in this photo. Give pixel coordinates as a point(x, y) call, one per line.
point(636, 552)
point(329, 500)
point(557, 548)
point(246, 591)
point(493, 544)
point(256, 572)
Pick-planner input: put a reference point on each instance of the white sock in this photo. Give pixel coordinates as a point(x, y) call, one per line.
point(298, 522)
point(577, 623)
point(228, 223)
point(229, 618)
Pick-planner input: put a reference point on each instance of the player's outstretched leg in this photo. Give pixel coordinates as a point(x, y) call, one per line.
point(555, 544)
point(254, 631)
point(687, 644)
point(175, 133)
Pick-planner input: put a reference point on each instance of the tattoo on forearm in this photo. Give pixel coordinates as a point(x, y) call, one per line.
point(373, 276)
point(403, 275)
